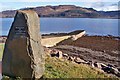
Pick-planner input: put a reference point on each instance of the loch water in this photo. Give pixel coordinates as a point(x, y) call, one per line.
point(93, 26)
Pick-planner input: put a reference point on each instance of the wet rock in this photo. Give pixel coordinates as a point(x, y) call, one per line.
point(23, 54)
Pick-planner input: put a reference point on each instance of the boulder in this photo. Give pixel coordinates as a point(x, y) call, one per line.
point(65, 56)
point(71, 58)
point(78, 60)
point(115, 71)
point(98, 65)
point(59, 54)
point(56, 53)
point(23, 55)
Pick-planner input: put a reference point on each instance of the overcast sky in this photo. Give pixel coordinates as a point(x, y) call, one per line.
point(99, 5)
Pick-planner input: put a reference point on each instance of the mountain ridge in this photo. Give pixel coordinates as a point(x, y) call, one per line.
point(67, 11)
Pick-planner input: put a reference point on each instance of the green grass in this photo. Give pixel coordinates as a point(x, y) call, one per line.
point(1, 50)
point(58, 68)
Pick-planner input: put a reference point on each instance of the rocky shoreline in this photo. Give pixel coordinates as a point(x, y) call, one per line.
point(107, 68)
point(100, 52)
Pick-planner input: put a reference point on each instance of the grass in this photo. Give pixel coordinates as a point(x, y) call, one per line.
point(58, 68)
point(1, 50)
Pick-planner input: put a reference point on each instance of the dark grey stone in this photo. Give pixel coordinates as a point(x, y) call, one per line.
point(23, 54)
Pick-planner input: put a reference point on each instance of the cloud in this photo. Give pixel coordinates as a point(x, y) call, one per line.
point(5, 7)
point(98, 4)
point(105, 6)
point(111, 8)
point(115, 4)
point(59, 1)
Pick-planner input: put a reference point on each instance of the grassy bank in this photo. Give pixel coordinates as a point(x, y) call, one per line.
point(57, 68)
point(1, 50)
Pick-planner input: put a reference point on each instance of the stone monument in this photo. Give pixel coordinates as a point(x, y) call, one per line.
point(23, 54)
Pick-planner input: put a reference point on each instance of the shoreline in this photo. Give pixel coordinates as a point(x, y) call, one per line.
point(71, 17)
point(4, 37)
point(95, 49)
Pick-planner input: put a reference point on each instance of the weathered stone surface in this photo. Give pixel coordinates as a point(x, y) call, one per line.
point(23, 54)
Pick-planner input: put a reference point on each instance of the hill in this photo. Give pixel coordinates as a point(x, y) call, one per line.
point(58, 68)
point(65, 11)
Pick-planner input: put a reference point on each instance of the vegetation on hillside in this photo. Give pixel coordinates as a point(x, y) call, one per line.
point(1, 50)
point(65, 11)
point(59, 68)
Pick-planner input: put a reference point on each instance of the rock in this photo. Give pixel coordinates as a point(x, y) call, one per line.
point(78, 60)
point(56, 53)
point(91, 63)
point(23, 54)
point(115, 71)
point(53, 53)
point(59, 54)
point(98, 65)
point(103, 65)
point(118, 69)
point(65, 55)
point(71, 58)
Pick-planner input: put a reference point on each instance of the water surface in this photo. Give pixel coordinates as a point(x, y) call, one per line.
point(93, 26)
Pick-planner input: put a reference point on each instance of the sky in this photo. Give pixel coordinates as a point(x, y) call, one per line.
point(99, 5)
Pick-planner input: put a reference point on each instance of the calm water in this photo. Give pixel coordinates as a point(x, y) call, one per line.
point(91, 25)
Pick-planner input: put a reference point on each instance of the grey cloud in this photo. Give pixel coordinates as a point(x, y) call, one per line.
point(115, 4)
point(98, 4)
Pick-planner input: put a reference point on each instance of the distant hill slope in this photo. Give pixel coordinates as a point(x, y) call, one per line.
point(65, 11)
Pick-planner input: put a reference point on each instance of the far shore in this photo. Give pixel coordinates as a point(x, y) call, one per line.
point(71, 17)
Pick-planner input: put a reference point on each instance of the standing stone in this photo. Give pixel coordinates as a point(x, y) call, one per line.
point(23, 54)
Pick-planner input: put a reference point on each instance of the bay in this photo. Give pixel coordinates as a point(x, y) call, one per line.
point(92, 26)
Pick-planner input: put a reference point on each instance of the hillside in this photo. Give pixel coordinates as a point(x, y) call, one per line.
point(59, 68)
point(56, 68)
point(65, 11)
